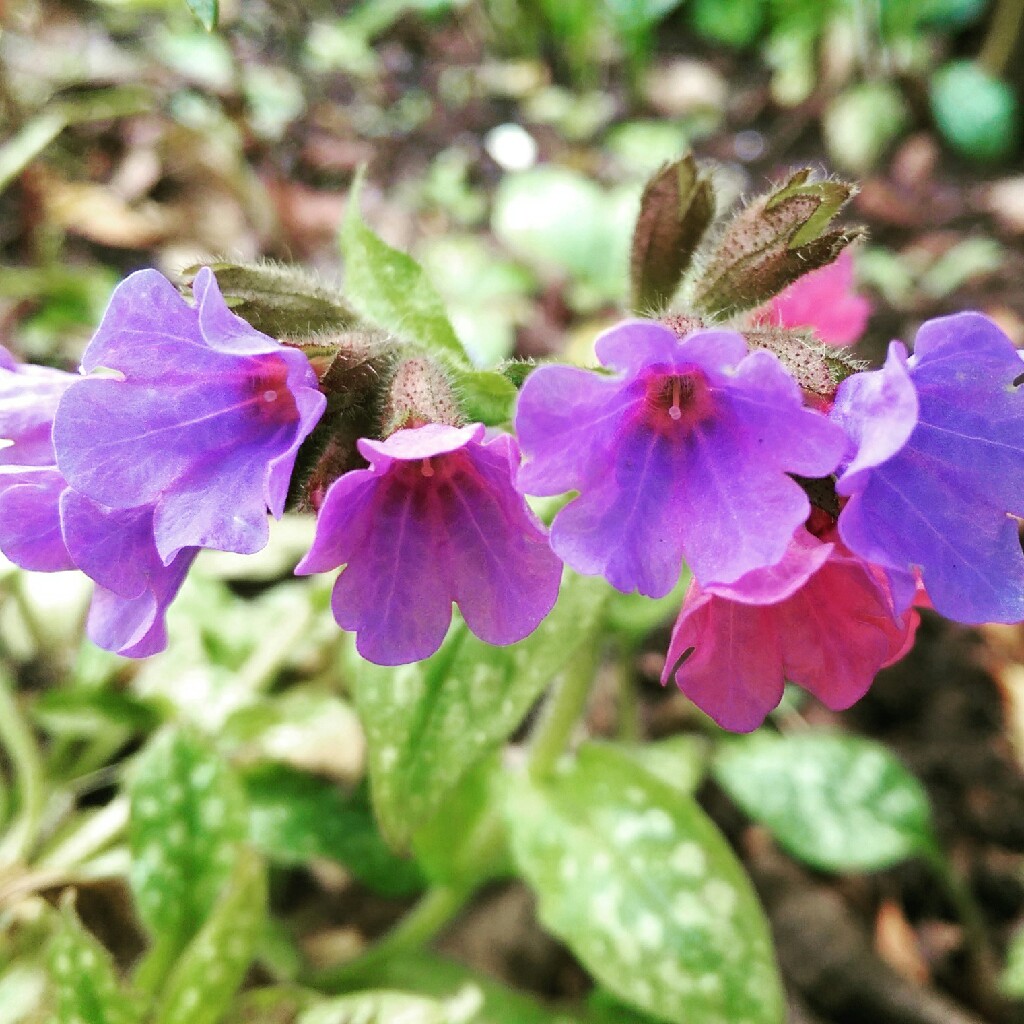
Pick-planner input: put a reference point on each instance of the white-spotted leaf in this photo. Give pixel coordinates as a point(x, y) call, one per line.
point(838, 803)
point(633, 876)
point(397, 1008)
point(427, 724)
point(186, 824)
point(83, 980)
point(210, 971)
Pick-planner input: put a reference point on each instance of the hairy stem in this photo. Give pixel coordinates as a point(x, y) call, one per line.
point(563, 712)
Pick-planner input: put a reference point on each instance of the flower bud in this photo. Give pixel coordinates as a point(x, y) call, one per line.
point(676, 209)
point(278, 300)
point(420, 392)
point(772, 242)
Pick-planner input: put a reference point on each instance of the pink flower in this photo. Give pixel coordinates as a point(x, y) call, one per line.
point(822, 619)
point(824, 300)
point(436, 519)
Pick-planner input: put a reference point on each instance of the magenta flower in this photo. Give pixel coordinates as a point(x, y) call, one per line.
point(824, 300)
point(822, 619)
point(435, 519)
point(684, 454)
point(202, 421)
point(937, 469)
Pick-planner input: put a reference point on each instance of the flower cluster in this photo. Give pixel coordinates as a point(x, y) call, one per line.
point(181, 434)
point(811, 524)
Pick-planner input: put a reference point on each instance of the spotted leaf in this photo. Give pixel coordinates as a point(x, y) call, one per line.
point(637, 881)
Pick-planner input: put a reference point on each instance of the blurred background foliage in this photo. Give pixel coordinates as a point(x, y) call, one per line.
point(507, 142)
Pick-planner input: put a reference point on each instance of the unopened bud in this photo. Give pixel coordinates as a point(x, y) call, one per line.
point(818, 369)
point(278, 300)
point(419, 392)
point(772, 242)
point(676, 209)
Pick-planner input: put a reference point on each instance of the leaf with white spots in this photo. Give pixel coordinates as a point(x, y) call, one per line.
point(397, 1008)
point(427, 724)
point(84, 987)
point(679, 761)
point(838, 803)
point(295, 817)
point(633, 876)
point(187, 821)
point(213, 966)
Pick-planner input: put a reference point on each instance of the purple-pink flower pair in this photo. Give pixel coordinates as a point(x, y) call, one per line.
point(182, 435)
point(688, 453)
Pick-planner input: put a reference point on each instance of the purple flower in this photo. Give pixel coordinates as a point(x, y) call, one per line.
point(684, 454)
point(30, 485)
point(937, 467)
point(134, 588)
point(435, 519)
point(202, 420)
point(28, 400)
point(822, 619)
point(47, 527)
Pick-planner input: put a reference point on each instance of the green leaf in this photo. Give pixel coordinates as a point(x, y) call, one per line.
point(434, 976)
point(83, 979)
point(396, 1008)
point(186, 825)
point(486, 396)
point(838, 803)
point(977, 114)
point(306, 727)
point(638, 882)
point(970, 259)
point(84, 711)
point(679, 761)
point(279, 300)
point(210, 971)
point(735, 23)
point(427, 724)
point(1011, 981)
point(206, 11)
point(638, 15)
point(389, 289)
point(295, 817)
point(448, 846)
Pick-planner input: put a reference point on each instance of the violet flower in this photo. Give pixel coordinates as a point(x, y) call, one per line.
point(435, 519)
point(47, 527)
point(30, 485)
point(202, 421)
point(822, 619)
point(937, 469)
point(684, 454)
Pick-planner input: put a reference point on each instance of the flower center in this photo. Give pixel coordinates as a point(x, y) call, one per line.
point(270, 392)
point(676, 400)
